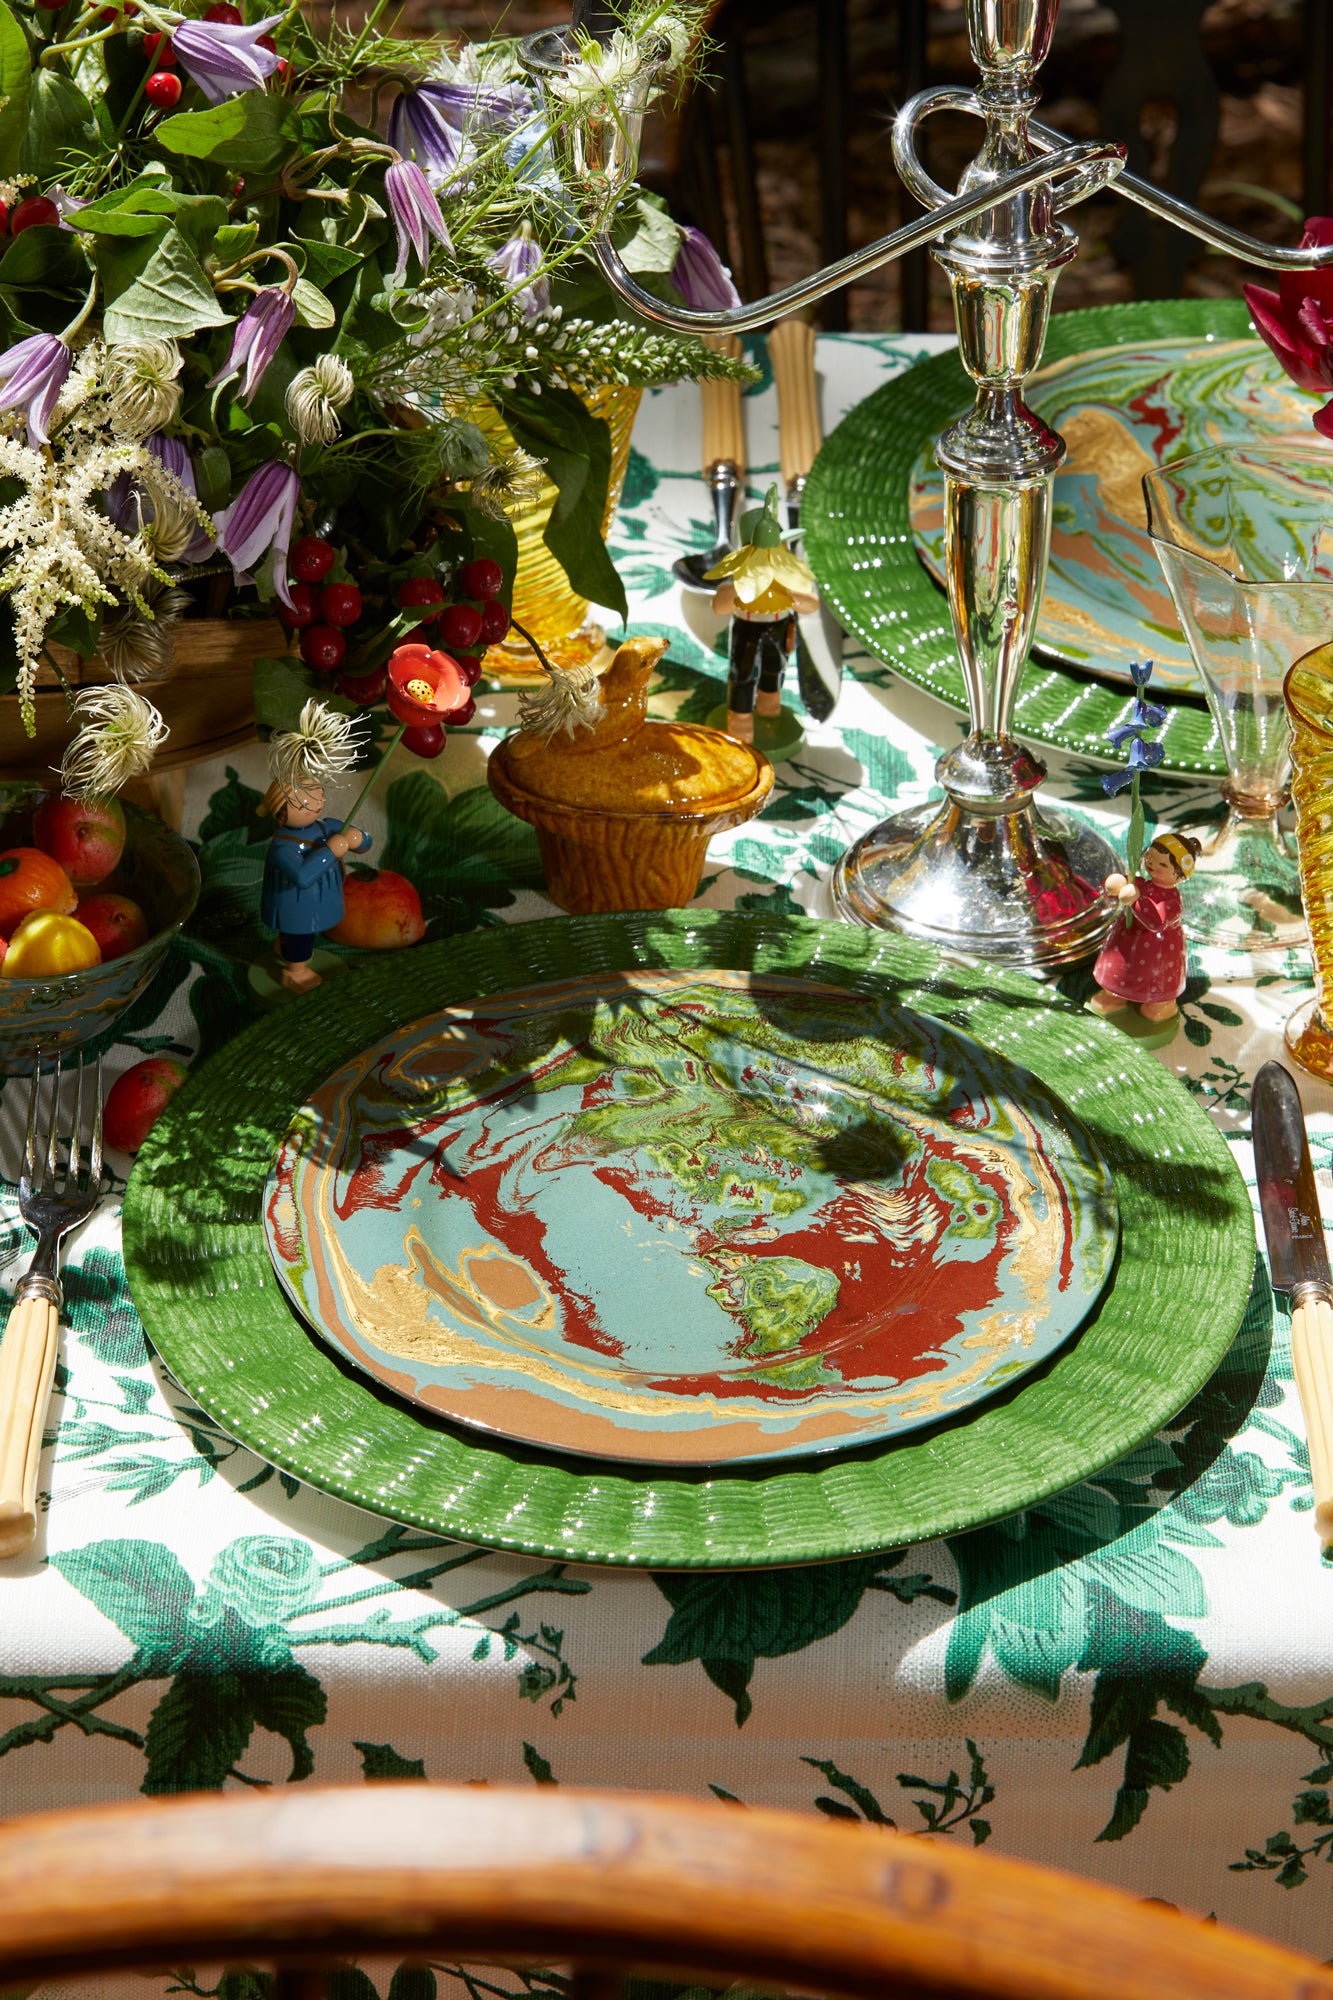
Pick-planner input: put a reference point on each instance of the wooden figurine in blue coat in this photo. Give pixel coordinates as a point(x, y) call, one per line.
point(303, 869)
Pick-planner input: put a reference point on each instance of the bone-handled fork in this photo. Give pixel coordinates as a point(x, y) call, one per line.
point(28, 1349)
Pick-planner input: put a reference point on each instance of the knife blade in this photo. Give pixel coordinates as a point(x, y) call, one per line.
point(791, 350)
point(1298, 1260)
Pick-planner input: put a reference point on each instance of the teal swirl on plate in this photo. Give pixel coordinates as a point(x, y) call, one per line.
point(1123, 412)
point(689, 1218)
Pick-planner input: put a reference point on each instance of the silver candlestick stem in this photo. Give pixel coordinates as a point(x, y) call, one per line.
point(985, 871)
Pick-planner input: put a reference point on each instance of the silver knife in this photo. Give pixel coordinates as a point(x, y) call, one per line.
point(1298, 1260)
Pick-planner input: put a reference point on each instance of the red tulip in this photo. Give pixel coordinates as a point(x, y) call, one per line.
point(1297, 321)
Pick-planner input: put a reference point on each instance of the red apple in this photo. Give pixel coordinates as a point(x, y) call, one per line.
point(86, 836)
point(117, 922)
point(137, 1099)
point(380, 912)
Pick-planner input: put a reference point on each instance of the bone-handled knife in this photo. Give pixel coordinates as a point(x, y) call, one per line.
point(791, 351)
point(724, 466)
point(1298, 1260)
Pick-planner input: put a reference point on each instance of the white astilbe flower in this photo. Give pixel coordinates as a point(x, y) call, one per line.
point(140, 378)
point(137, 644)
point(509, 483)
point(570, 699)
point(314, 397)
point(601, 71)
point(323, 745)
point(119, 737)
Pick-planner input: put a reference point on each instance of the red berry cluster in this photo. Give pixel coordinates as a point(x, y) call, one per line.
point(322, 609)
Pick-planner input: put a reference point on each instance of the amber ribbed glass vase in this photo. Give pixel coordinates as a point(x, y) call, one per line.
point(544, 603)
point(1309, 695)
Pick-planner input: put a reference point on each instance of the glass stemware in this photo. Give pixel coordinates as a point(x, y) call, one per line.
point(1244, 535)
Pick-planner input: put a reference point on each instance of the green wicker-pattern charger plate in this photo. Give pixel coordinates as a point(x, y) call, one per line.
point(201, 1278)
point(858, 536)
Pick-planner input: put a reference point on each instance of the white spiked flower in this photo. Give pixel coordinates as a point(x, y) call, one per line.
point(314, 397)
point(323, 745)
point(140, 377)
point(570, 699)
point(119, 736)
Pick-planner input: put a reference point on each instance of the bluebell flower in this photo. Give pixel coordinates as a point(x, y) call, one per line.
point(700, 276)
point(260, 519)
point(415, 209)
point(225, 58)
point(1148, 714)
point(1140, 672)
point(32, 374)
point(517, 261)
point(259, 333)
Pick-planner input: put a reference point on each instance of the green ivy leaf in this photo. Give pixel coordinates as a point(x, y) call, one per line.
point(413, 1982)
point(559, 427)
point(170, 298)
point(15, 90)
point(247, 135)
point(60, 125)
point(44, 258)
point(538, 1769)
point(312, 308)
point(284, 685)
point(140, 1586)
point(381, 1760)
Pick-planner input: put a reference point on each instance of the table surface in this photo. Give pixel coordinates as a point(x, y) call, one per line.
point(1130, 1682)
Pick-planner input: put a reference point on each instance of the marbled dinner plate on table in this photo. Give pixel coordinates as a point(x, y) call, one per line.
point(203, 1281)
point(1123, 411)
point(689, 1217)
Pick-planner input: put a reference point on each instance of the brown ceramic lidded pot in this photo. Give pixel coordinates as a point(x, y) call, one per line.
point(624, 810)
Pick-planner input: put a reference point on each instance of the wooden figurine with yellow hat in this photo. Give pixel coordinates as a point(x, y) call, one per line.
point(1142, 963)
point(764, 585)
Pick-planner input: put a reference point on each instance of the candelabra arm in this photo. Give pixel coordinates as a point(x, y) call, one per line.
point(1232, 242)
point(1075, 169)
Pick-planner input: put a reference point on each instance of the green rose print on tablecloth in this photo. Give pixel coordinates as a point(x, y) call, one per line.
point(1095, 1580)
point(228, 1649)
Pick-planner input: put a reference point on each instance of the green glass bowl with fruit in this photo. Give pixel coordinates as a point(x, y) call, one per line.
point(135, 882)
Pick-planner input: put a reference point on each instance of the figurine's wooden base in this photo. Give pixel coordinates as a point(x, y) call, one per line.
point(1148, 1034)
point(266, 984)
point(779, 736)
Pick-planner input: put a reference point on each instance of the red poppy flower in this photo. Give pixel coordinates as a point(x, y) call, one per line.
point(425, 686)
point(1297, 321)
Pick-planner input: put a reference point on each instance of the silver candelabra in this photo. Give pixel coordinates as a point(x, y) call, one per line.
point(984, 871)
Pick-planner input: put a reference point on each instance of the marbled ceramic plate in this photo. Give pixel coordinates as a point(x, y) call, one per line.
point(689, 1218)
point(1123, 411)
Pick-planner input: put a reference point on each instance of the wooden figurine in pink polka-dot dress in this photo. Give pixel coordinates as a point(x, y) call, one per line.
point(1142, 963)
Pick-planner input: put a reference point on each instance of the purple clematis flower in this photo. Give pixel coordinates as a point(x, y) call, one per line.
point(260, 332)
point(172, 454)
point(32, 374)
point(700, 276)
point(439, 124)
point(516, 261)
point(260, 518)
point(223, 58)
point(416, 214)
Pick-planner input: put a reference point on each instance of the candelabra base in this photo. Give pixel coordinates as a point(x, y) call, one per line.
point(1018, 888)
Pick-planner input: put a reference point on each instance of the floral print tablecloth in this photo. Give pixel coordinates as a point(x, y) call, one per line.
point(1134, 1681)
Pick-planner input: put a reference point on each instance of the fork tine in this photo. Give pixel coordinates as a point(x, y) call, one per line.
point(30, 1142)
point(53, 1136)
point(72, 1169)
point(95, 1156)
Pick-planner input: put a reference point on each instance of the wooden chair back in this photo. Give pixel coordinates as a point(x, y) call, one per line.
point(310, 1877)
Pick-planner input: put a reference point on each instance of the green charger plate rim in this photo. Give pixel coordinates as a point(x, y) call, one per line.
point(856, 501)
point(200, 1275)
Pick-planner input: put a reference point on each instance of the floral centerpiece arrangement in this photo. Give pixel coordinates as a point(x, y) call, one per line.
point(259, 282)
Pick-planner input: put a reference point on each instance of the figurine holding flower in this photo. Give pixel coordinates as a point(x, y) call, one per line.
point(1142, 964)
point(302, 894)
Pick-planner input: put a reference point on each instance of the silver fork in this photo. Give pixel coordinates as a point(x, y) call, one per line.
point(28, 1350)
